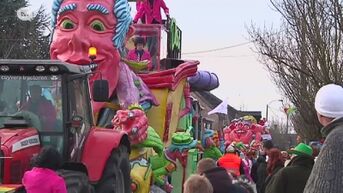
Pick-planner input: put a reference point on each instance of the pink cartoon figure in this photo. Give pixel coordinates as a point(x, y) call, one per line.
point(150, 11)
point(138, 54)
point(105, 25)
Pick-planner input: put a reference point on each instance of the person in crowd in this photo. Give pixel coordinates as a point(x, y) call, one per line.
point(245, 187)
point(218, 177)
point(139, 54)
point(259, 171)
point(286, 158)
point(274, 164)
point(259, 168)
point(327, 173)
point(42, 107)
point(221, 181)
point(43, 177)
point(231, 162)
point(316, 149)
point(197, 184)
point(150, 11)
point(247, 164)
point(292, 179)
point(267, 146)
point(299, 139)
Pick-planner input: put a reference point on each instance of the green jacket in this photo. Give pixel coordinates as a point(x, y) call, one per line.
point(293, 178)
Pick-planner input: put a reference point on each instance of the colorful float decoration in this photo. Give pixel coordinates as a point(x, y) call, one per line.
point(245, 130)
point(210, 143)
point(150, 100)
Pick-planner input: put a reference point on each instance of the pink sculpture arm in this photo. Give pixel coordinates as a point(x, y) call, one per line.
point(134, 122)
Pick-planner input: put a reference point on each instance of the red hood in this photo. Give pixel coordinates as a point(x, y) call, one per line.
point(10, 136)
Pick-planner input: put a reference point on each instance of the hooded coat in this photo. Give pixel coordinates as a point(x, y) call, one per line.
point(259, 172)
point(293, 178)
point(43, 180)
point(221, 181)
point(270, 177)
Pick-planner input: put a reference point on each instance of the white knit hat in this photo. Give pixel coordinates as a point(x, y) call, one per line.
point(329, 101)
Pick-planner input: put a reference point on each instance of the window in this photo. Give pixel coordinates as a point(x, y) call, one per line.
point(38, 99)
point(79, 105)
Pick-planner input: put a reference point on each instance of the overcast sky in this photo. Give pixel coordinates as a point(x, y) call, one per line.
point(210, 24)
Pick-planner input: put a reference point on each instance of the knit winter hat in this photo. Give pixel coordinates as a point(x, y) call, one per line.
point(329, 101)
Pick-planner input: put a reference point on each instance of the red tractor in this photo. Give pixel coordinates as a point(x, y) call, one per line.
point(96, 159)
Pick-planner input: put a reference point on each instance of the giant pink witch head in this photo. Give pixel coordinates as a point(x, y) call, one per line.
point(81, 24)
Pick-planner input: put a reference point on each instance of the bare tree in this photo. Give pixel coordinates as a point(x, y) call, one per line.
point(303, 54)
point(22, 39)
point(281, 138)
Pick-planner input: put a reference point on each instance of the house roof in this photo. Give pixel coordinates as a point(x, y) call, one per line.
point(212, 99)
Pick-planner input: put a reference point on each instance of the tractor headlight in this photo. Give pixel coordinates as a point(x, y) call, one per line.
point(53, 69)
point(4, 68)
point(40, 68)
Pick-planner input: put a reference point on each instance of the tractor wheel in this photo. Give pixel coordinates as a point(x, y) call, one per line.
point(76, 182)
point(116, 174)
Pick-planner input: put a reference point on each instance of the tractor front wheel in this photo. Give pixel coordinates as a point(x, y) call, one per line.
point(76, 182)
point(116, 174)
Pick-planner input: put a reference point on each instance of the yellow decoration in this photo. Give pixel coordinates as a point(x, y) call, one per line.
point(6, 190)
point(137, 152)
point(141, 176)
point(135, 106)
point(250, 118)
point(175, 99)
point(157, 115)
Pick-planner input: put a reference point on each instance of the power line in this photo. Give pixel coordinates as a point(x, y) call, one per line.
point(222, 56)
point(229, 47)
point(217, 49)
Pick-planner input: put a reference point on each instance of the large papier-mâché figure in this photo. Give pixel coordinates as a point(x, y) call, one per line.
point(244, 130)
point(105, 25)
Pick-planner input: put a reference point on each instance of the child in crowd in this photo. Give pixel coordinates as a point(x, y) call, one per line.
point(197, 184)
point(43, 177)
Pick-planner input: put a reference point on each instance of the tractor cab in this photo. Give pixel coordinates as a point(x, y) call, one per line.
point(41, 103)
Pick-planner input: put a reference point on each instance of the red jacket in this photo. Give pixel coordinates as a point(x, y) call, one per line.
point(45, 111)
point(153, 12)
point(43, 180)
point(231, 162)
